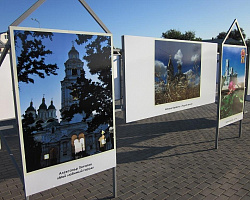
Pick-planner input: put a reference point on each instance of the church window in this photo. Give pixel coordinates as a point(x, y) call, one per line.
point(53, 156)
point(73, 137)
point(82, 141)
point(74, 72)
point(65, 148)
point(75, 96)
point(77, 145)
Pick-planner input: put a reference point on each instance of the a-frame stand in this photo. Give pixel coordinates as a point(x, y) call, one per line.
point(220, 80)
point(2, 57)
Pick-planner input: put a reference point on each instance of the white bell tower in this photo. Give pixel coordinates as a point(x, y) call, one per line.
point(73, 68)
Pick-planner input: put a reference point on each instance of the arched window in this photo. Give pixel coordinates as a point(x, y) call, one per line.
point(78, 145)
point(82, 141)
point(74, 72)
point(53, 156)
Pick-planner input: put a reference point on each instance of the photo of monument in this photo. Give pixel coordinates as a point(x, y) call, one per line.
point(177, 71)
point(65, 89)
point(232, 81)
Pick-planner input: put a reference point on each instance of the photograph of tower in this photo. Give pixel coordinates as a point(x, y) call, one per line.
point(232, 80)
point(65, 92)
point(177, 71)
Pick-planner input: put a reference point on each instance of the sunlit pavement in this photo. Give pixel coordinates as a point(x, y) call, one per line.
point(166, 157)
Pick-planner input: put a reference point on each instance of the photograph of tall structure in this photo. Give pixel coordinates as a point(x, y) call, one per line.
point(177, 71)
point(232, 81)
point(65, 89)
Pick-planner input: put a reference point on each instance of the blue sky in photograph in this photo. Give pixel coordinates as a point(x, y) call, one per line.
point(50, 86)
point(132, 17)
point(185, 53)
point(179, 51)
point(234, 55)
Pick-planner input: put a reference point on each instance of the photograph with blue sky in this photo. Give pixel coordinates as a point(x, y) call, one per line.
point(65, 94)
point(233, 55)
point(232, 80)
point(177, 70)
point(50, 86)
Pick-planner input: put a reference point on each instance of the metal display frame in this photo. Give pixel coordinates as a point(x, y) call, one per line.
point(2, 57)
point(220, 47)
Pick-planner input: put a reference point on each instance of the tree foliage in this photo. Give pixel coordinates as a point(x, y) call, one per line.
point(32, 149)
point(31, 60)
point(235, 34)
point(248, 42)
point(175, 34)
point(95, 97)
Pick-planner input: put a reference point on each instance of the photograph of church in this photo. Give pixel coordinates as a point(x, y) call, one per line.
point(66, 99)
point(177, 71)
point(232, 81)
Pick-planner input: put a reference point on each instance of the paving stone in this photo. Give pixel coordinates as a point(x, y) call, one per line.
point(234, 197)
point(230, 192)
point(241, 192)
point(226, 186)
point(161, 196)
point(165, 157)
point(218, 191)
point(222, 197)
point(210, 197)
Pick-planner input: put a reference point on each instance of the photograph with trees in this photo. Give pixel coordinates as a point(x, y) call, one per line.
point(232, 80)
point(74, 72)
point(177, 71)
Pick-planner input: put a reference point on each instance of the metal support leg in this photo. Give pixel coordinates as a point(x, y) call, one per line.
point(240, 129)
point(217, 137)
point(114, 183)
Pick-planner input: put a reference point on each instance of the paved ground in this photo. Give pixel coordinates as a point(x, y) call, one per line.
point(165, 157)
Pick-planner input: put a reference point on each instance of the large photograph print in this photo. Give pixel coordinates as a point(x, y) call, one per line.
point(65, 93)
point(177, 71)
point(165, 75)
point(232, 84)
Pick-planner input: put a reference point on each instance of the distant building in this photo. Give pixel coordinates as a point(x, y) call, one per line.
point(229, 75)
point(3, 40)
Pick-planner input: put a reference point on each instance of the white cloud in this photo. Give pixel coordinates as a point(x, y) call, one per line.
point(178, 56)
point(195, 57)
point(160, 68)
point(241, 79)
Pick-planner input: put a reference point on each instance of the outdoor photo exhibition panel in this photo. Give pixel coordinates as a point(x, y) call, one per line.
point(248, 82)
point(64, 100)
point(232, 88)
point(164, 76)
point(117, 78)
point(6, 100)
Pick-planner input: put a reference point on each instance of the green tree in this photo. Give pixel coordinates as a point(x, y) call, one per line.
point(32, 149)
point(235, 34)
point(31, 60)
point(175, 34)
point(94, 97)
point(248, 42)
